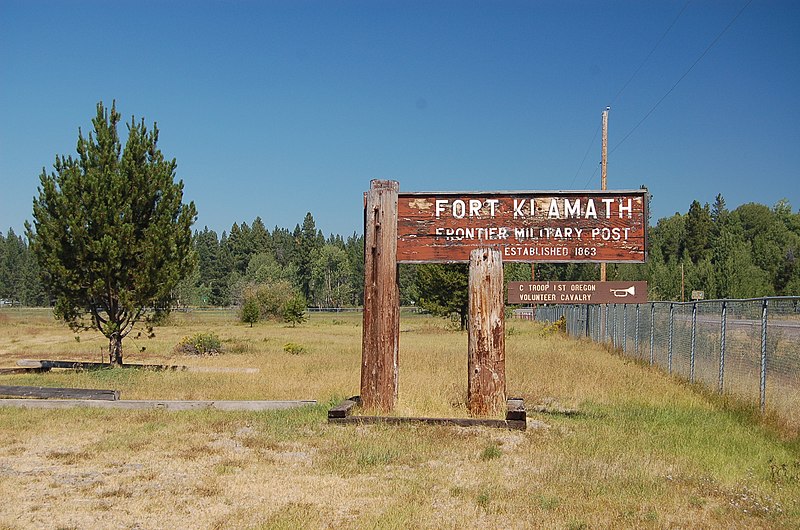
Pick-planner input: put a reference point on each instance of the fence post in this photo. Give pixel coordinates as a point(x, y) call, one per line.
point(669, 351)
point(598, 318)
point(764, 355)
point(694, 335)
point(636, 336)
point(571, 321)
point(652, 332)
point(723, 321)
point(625, 328)
point(606, 332)
point(588, 307)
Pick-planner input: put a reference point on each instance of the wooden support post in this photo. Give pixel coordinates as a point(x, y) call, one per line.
point(381, 332)
point(486, 390)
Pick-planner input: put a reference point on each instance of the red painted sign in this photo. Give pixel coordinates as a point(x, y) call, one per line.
point(530, 226)
point(577, 292)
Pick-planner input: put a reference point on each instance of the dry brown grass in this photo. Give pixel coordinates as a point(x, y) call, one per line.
point(644, 450)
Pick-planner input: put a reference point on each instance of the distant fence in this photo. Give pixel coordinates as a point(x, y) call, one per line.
point(748, 348)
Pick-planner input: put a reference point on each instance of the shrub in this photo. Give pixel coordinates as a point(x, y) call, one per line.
point(251, 311)
point(293, 348)
point(272, 296)
point(199, 344)
point(559, 326)
point(294, 310)
point(265, 301)
point(491, 452)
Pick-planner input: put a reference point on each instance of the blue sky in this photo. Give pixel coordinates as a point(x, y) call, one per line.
point(274, 109)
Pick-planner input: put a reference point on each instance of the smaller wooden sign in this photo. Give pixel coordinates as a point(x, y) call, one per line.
point(577, 292)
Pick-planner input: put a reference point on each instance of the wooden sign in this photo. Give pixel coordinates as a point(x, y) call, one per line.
point(577, 292)
point(530, 226)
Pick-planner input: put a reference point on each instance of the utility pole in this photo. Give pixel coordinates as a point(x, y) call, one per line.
point(603, 173)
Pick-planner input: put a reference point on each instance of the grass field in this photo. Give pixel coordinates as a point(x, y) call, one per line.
point(643, 450)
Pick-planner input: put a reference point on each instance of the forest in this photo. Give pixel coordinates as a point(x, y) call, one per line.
point(751, 251)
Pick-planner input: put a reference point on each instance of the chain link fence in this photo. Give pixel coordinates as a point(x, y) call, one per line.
point(746, 348)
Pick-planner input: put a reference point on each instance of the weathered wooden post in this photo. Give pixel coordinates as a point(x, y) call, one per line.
point(381, 332)
point(486, 390)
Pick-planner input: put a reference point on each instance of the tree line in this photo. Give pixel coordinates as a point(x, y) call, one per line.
point(325, 271)
point(750, 251)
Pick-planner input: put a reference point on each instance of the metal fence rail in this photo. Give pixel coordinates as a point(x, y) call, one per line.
point(747, 348)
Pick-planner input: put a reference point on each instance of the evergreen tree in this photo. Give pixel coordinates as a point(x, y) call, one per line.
point(3, 269)
point(110, 232)
point(736, 275)
point(669, 235)
point(259, 236)
point(251, 310)
point(213, 275)
point(19, 273)
point(294, 310)
point(283, 247)
point(354, 247)
point(444, 290)
point(698, 231)
point(719, 211)
point(307, 240)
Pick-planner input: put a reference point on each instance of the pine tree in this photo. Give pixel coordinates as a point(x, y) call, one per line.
point(698, 231)
point(444, 290)
point(307, 239)
point(110, 231)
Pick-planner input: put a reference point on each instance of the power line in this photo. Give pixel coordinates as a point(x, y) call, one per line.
point(593, 174)
point(663, 36)
point(641, 65)
point(589, 148)
point(714, 42)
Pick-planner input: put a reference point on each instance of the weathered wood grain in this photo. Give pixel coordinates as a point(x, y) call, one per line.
point(515, 410)
point(459, 422)
point(486, 361)
point(168, 405)
point(427, 233)
point(381, 330)
point(515, 417)
point(45, 364)
point(43, 392)
point(12, 371)
point(343, 409)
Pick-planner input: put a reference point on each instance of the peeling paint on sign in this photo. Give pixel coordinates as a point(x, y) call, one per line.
point(531, 226)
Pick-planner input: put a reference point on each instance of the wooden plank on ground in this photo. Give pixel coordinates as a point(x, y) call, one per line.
point(220, 370)
point(343, 409)
point(43, 392)
point(20, 370)
point(157, 404)
point(45, 364)
point(515, 417)
point(460, 422)
point(515, 409)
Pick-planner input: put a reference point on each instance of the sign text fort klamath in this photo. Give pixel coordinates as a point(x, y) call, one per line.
point(548, 226)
